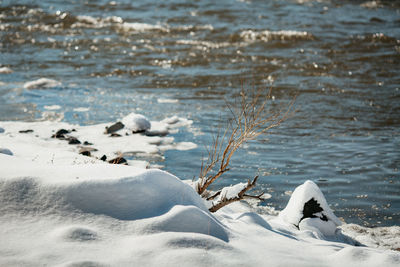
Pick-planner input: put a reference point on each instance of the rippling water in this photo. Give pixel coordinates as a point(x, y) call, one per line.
point(341, 59)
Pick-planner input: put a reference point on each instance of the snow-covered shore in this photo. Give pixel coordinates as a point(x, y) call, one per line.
point(62, 208)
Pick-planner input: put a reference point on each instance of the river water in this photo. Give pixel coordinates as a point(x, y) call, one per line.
point(162, 58)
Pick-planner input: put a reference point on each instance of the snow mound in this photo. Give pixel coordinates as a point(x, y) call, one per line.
point(136, 122)
point(120, 192)
point(189, 219)
point(41, 84)
point(307, 209)
point(149, 194)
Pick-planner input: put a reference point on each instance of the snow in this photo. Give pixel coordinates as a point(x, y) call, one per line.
point(60, 208)
point(38, 145)
point(41, 84)
point(231, 192)
point(136, 122)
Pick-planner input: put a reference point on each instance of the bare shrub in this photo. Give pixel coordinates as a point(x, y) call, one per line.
point(250, 119)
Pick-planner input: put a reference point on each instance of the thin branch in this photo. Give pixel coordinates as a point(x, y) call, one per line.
point(259, 197)
point(225, 201)
point(247, 123)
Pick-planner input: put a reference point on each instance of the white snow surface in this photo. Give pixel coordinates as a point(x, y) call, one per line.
point(38, 145)
point(59, 209)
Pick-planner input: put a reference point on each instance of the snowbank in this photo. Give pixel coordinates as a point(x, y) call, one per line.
point(64, 211)
point(63, 143)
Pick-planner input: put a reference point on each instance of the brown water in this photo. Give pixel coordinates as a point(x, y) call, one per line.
point(342, 59)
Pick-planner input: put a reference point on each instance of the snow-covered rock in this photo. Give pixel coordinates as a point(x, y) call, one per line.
point(307, 209)
point(136, 122)
point(41, 84)
point(5, 70)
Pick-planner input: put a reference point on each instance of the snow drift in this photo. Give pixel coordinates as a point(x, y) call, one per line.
point(58, 209)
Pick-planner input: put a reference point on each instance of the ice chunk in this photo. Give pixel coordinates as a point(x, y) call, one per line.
point(5, 70)
point(41, 83)
point(308, 210)
point(136, 122)
point(52, 107)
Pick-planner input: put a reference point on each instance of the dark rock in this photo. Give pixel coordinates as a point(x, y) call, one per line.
point(115, 127)
point(115, 135)
point(26, 131)
point(73, 141)
point(118, 160)
point(62, 131)
point(90, 149)
point(137, 132)
point(86, 143)
point(103, 158)
point(310, 208)
point(85, 153)
point(60, 134)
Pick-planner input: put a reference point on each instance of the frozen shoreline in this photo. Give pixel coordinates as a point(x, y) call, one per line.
point(62, 208)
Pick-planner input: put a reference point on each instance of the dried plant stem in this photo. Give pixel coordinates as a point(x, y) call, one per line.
point(225, 201)
point(247, 123)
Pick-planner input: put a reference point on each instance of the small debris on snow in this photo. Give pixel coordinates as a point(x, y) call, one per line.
point(26, 131)
point(118, 160)
point(115, 127)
